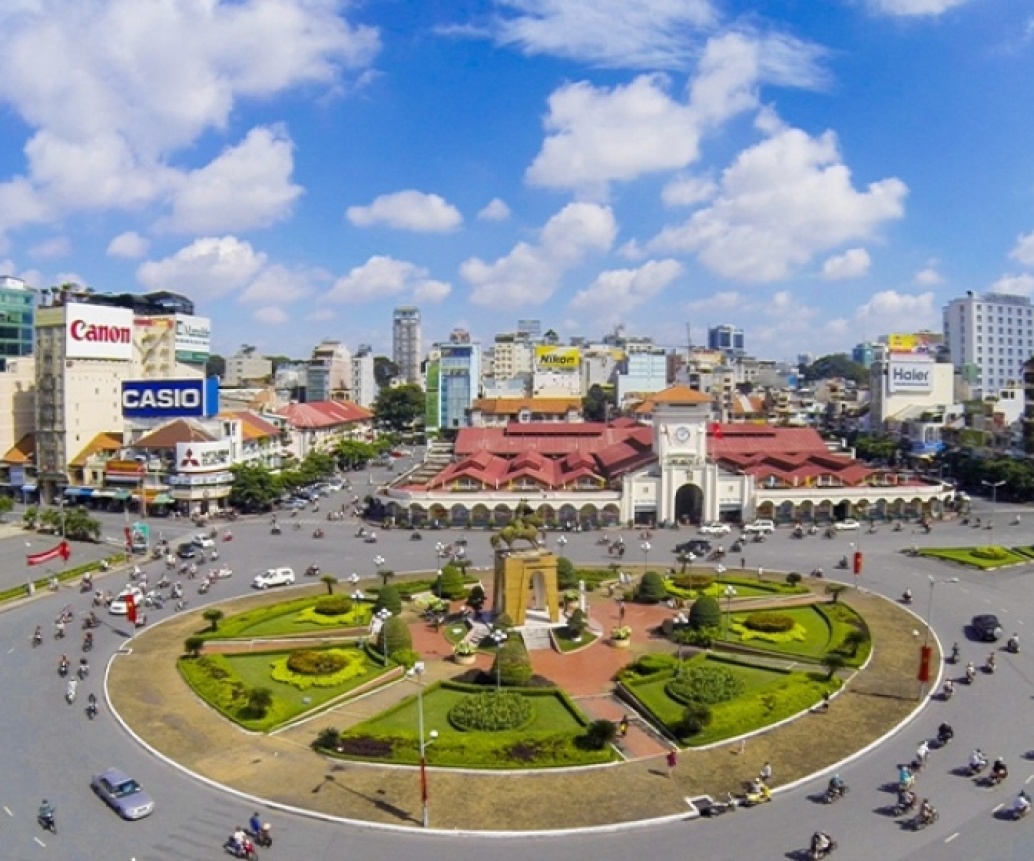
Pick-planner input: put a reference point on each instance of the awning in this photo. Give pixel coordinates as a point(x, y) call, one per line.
point(104, 493)
point(78, 491)
point(122, 495)
point(28, 488)
point(162, 499)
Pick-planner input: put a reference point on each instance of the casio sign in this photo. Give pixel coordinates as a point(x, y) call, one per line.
point(170, 398)
point(161, 399)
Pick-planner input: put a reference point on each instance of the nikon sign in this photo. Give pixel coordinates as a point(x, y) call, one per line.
point(557, 359)
point(910, 377)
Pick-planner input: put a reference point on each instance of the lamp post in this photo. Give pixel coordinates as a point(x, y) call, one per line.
point(994, 485)
point(561, 543)
point(719, 570)
point(384, 614)
point(929, 603)
point(499, 637)
point(681, 620)
point(379, 562)
point(645, 547)
point(353, 578)
point(417, 674)
point(730, 593)
point(925, 651)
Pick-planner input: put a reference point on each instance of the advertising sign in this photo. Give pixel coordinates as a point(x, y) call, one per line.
point(98, 332)
point(202, 456)
point(910, 377)
point(557, 358)
point(193, 338)
point(919, 342)
point(149, 399)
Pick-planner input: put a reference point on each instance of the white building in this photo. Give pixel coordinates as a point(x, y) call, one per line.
point(363, 386)
point(989, 338)
point(330, 371)
point(405, 344)
point(646, 371)
point(557, 372)
point(246, 369)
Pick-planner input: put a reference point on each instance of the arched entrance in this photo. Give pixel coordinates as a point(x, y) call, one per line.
point(689, 504)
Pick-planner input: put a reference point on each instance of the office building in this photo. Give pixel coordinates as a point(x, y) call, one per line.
point(363, 386)
point(726, 338)
point(989, 338)
point(330, 372)
point(405, 343)
point(17, 316)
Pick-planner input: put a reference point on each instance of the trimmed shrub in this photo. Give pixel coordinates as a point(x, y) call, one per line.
point(696, 717)
point(992, 552)
point(599, 734)
point(567, 576)
point(705, 684)
point(407, 657)
point(653, 662)
point(705, 613)
point(769, 623)
point(512, 665)
point(793, 578)
point(693, 582)
point(450, 586)
point(388, 598)
point(333, 605)
point(313, 662)
point(492, 711)
point(577, 622)
point(394, 637)
point(651, 589)
point(327, 739)
point(703, 639)
point(350, 664)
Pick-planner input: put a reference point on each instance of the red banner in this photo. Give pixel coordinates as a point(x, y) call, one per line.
point(925, 653)
point(131, 610)
point(60, 552)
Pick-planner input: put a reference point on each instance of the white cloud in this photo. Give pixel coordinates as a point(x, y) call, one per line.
point(530, 273)
point(137, 83)
point(276, 284)
point(781, 202)
point(408, 210)
point(688, 190)
point(246, 186)
point(889, 310)
point(724, 300)
point(1024, 250)
point(209, 267)
point(130, 245)
point(929, 276)
point(853, 263)
point(494, 210)
point(617, 292)
point(914, 8)
point(431, 291)
point(58, 246)
point(271, 315)
point(646, 34)
point(1021, 285)
point(381, 277)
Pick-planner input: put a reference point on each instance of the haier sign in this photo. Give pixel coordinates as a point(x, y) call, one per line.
point(910, 377)
point(165, 399)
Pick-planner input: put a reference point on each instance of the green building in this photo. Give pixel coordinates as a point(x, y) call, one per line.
point(17, 319)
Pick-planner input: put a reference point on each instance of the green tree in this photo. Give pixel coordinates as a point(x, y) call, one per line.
point(79, 526)
point(395, 634)
point(450, 585)
point(215, 366)
point(651, 589)
point(213, 615)
point(388, 598)
point(254, 488)
point(596, 403)
point(260, 700)
point(599, 734)
point(512, 665)
point(577, 622)
point(695, 717)
point(384, 371)
point(397, 408)
point(193, 645)
point(833, 662)
point(566, 575)
point(6, 504)
point(836, 365)
point(354, 454)
point(705, 613)
point(329, 580)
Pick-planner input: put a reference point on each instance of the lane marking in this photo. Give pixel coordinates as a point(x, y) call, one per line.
point(951, 837)
point(1028, 780)
point(7, 810)
point(997, 807)
point(40, 842)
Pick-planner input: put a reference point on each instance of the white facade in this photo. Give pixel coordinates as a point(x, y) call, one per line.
point(363, 386)
point(994, 334)
point(243, 369)
point(512, 358)
point(646, 371)
point(557, 372)
point(906, 382)
point(405, 344)
point(18, 390)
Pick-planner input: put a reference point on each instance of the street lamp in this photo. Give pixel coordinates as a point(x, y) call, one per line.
point(561, 543)
point(384, 614)
point(994, 485)
point(379, 562)
point(719, 570)
point(499, 637)
point(929, 603)
point(417, 674)
point(730, 593)
point(645, 547)
point(353, 578)
point(681, 620)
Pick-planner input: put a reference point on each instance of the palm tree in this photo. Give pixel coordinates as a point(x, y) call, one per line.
point(213, 615)
point(329, 580)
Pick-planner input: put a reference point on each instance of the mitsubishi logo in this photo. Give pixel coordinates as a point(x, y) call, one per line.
point(189, 459)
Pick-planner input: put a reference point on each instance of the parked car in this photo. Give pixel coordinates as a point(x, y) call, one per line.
point(846, 525)
point(119, 605)
point(186, 550)
point(763, 526)
point(122, 794)
point(204, 542)
point(274, 577)
point(987, 627)
point(715, 528)
point(696, 546)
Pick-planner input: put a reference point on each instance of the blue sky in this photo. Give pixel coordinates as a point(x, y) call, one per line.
point(816, 171)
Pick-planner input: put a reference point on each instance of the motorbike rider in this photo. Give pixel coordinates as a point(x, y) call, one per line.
point(239, 840)
point(1013, 644)
point(836, 785)
point(906, 596)
point(1021, 806)
point(905, 776)
point(70, 690)
point(977, 760)
point(945, 733)
point(46, 813)
point(820, 843)
point(927, 812)
point(62, 665)
point(255, 823)
point(989, 665)
point(971, 672)
point(999, 771)
point(922, 752)
point(88, 641)
point(906, 800)
point(949, 688)
point(955, 652)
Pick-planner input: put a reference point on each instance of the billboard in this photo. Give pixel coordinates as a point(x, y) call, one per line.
point(164, 399)
point(203, 456)
point(557, 358)
point(915, 377)
point(193, 338)
point(98, 332)
point(919, 342)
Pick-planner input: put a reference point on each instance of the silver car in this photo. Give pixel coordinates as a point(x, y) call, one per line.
point(122, 794)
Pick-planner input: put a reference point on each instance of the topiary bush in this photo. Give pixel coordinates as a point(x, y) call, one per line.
point(388, 598)
point(316, 662)
point(450, 585)
point(492, 711)
point(333, 605)
point(696, 717)
point(512, 665)
point(705, 684)
point(394, 637)
point(705, 613)
point(599, 734)
point(992, 552)
point(567, 576)
point(768, 622)
point(793, 578)
point(693, 582)
point(650, 589)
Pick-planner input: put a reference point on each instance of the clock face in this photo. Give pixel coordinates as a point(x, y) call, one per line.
point(682, 434)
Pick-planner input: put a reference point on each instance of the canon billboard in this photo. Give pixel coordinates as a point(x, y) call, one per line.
point(98, 332)
point(166, 399)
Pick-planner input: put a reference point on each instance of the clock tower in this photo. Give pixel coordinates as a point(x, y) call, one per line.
point(688, 487)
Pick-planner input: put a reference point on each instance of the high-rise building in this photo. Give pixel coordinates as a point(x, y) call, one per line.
point(453, 383)
point(727, 338)
point(330, 372)
point(646, 370)
point(989, 338)
point(17, 317)
point(405, 343)
point(364, 380)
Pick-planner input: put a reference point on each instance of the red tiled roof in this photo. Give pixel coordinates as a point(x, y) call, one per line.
point(178, 430)
point(252, 426)
point(23, 451)
point(324, 414)
point(553, 439)
point(753, 439)
point(107, 441)
point(512, 406)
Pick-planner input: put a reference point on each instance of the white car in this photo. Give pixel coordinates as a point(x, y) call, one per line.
point(762, 526)
point(715, 529)
point(203, 541)
point(118, 605)
point(846, 525)
point(274, 577)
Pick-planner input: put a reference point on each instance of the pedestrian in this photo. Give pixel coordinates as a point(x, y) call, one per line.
point(623, 726)
point(743, 563)
point(765, 775)
point(761, 573)
point(621, 610)
point(922, 752)
point(671, 760)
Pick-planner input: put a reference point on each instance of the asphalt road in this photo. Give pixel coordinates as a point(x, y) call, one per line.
point(51, 749)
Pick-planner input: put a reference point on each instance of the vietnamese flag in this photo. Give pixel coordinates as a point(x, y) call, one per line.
point(61, 551)
point(716, 430)
point(131, 610)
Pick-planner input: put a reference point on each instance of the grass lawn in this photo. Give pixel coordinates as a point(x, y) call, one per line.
point(816, 642)
point(967, 556)
point(284, 619)
point(549, 740)
point(215, 677)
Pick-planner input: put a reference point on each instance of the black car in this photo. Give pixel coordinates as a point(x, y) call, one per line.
point(186, 550)
point(696, 546)
point(987, 627)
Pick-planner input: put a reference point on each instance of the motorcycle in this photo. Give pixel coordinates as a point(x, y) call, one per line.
point(47, 822)
point(834, 794)
point(921, 820)
point(37, 639)
point(83, 671)
point(954, 659)
point(263, 837)
point(842, 563)
point(317, 533)
point(906, 806)
point(754, 798)
point(1013, 645)
point(989, 664)
point(975, 767)
point(948, 691)
point(906, 597)
point(91, 707)
point(245, 850)
point(971, 674)
point(312, 571)
point(88, 642)
point(62, 669)
point(815, 853)
point(416, 536)
point(717, 808)
point(274, 530)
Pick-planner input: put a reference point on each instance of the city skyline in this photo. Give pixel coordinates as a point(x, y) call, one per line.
point(817, 176)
